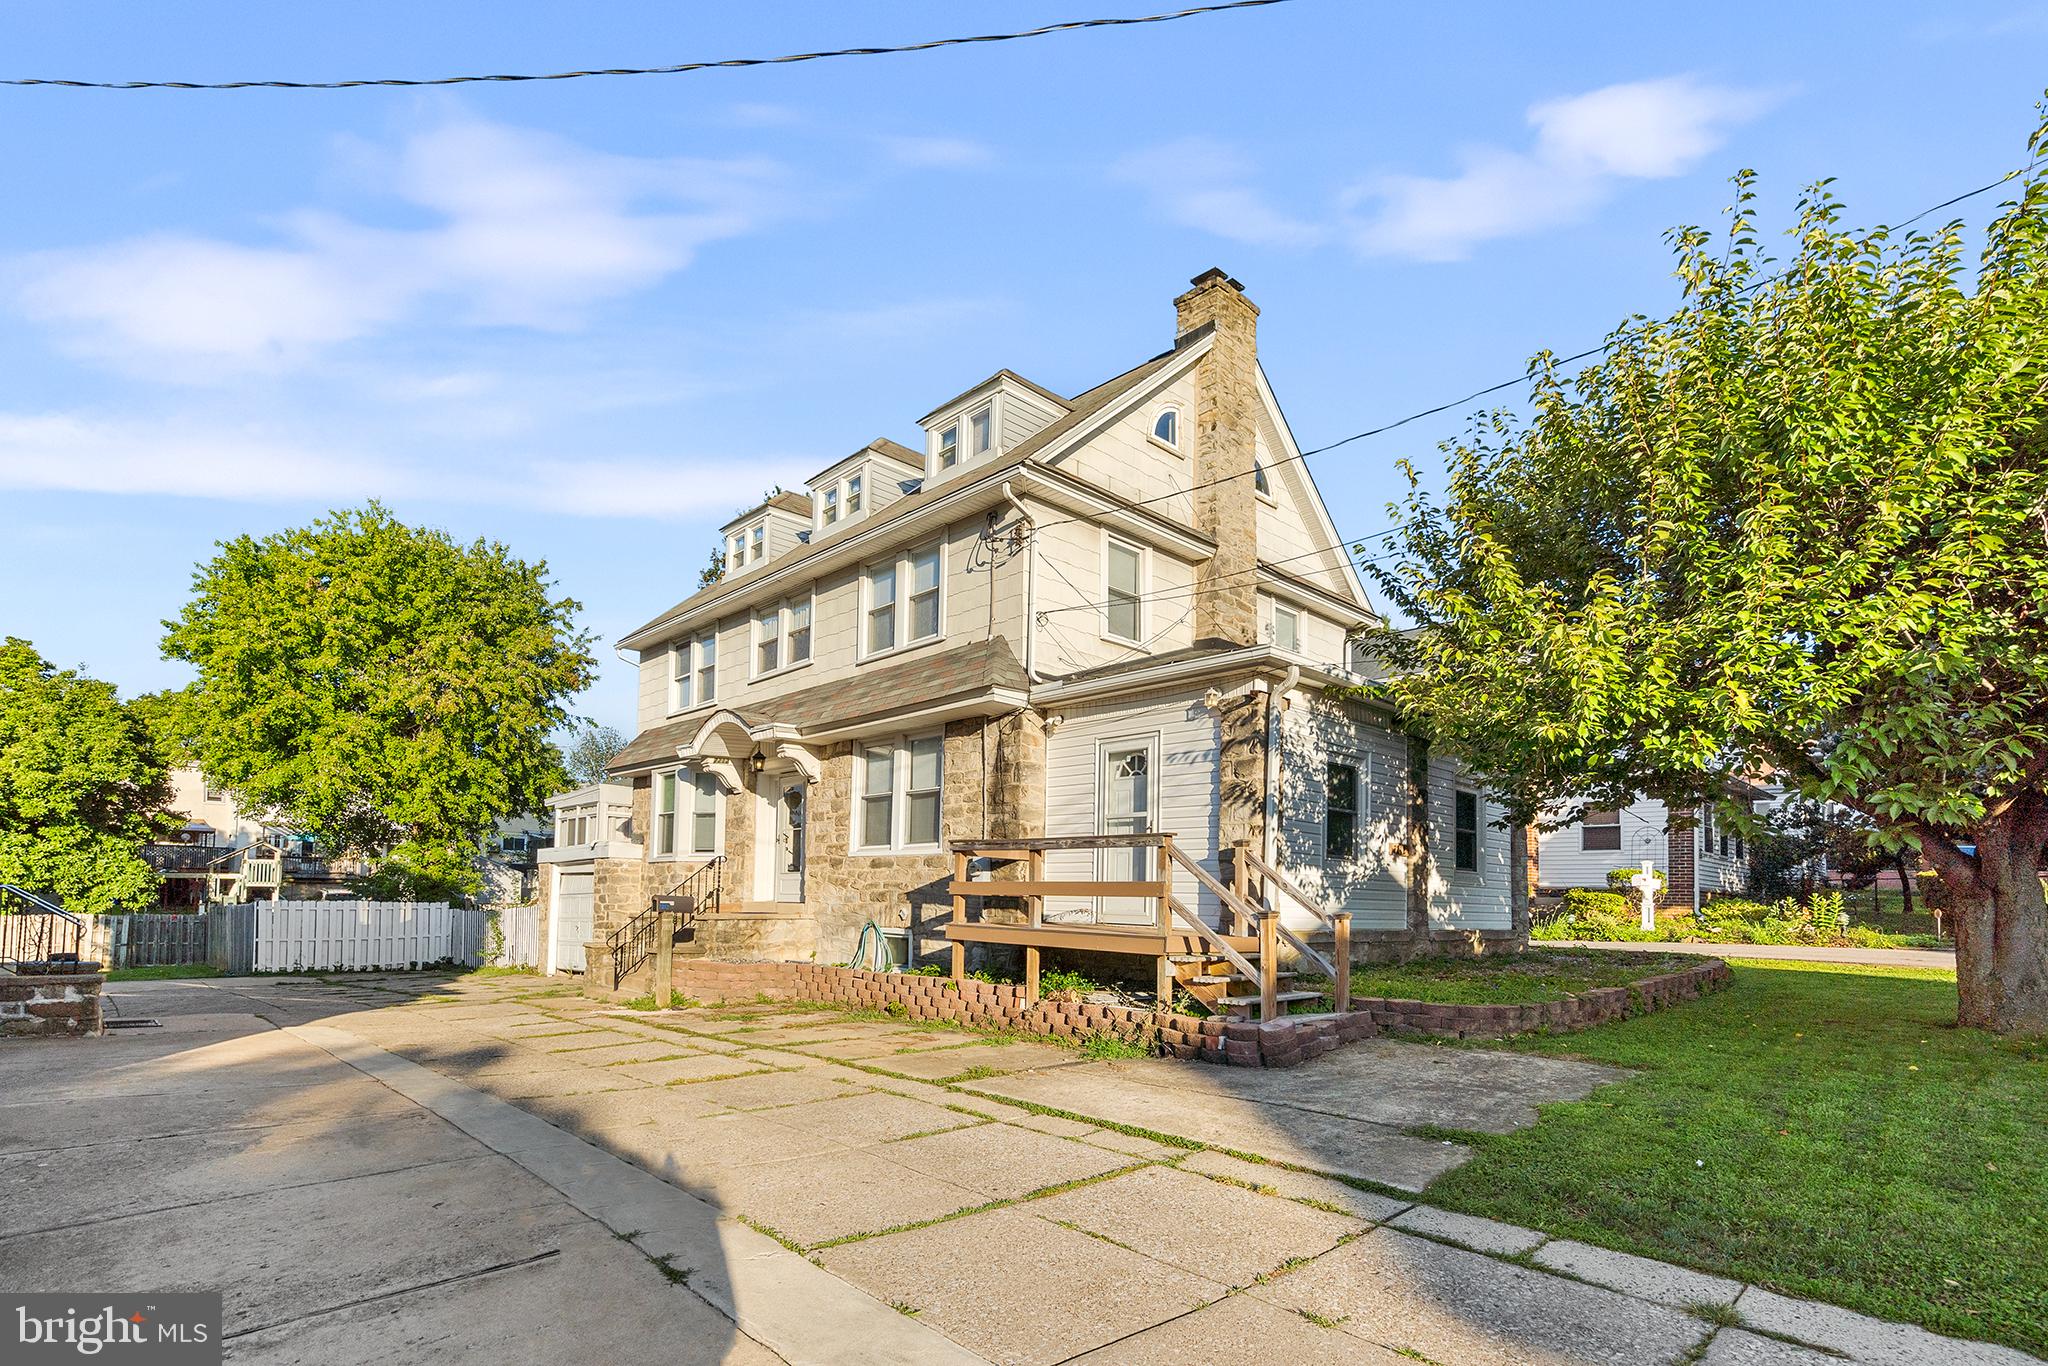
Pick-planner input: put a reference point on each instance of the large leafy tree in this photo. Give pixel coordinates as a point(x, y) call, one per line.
point(380, 686)
point(82, 786)
point(590, 751)
point(1800, 525)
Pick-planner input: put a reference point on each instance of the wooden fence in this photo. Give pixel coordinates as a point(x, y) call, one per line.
point(143, 941)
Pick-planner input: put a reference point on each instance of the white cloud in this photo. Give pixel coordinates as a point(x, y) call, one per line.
point(525, 229)
point(941, 152)
point(66, 452)
point(1583, 146)
point(1200, 183)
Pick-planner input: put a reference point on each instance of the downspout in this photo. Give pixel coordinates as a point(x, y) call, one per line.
point(1275, 704)
point(1030, 585)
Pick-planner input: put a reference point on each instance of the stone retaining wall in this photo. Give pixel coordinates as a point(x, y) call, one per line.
point(54, 1005)
point(990, 1005)
point(1589, 1008)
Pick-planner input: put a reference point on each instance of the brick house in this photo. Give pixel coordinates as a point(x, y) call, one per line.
point(1120, 611)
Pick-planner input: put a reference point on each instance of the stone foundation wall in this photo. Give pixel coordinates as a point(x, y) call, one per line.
point(1602, 1006)
point(51, 1006)
point(989, 1005)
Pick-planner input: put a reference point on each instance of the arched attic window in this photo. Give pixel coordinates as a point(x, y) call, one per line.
point(1166, 428)
point(1259, 480)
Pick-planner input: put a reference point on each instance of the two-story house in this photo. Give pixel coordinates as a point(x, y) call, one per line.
point(1121, 611)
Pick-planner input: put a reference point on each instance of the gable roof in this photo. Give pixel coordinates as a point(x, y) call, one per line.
point(784, 500)
point(974, 389)
point(924, 682)
point(1080, 409)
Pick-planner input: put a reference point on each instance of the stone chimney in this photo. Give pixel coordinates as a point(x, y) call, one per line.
point(1226, 436)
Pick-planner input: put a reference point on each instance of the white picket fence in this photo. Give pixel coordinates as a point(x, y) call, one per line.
point(520, 928)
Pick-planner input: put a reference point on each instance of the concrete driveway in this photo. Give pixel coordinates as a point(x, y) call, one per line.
point(372, 1168)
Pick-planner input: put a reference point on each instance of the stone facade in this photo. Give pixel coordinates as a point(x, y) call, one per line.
point(1227, 407)
point(51, 1006)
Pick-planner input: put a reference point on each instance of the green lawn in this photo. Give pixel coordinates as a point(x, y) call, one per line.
point(1541, 974)
point(1819, 1129)
point(163, 972)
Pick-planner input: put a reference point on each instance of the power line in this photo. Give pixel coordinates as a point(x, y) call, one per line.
point(1228, 580)
point(1522, 378)
point(682, 68)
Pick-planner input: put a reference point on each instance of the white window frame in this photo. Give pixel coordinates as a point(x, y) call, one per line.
point(856, 488)
point(1176, 445)
point(782, 614)
point(981, 431)
point(1293, 615)
point(758, 538)
point(900, 749)
point(703, 788)
point(1262, 473)
point(667, 823)
point(700, 666)
point(1110, 539)
point(682, 676)
point(940, 446)
point(828, 506)
point(688, 790)
point(904, 565)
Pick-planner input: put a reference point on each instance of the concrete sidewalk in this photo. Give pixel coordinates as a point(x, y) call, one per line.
point(1005, 1201)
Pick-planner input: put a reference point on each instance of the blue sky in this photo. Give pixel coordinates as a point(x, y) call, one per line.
point(593, 319)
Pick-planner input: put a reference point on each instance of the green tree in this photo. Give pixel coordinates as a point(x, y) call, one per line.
point(591, 750)
point(1799, 525)
point(380, 687)
point(82, 786)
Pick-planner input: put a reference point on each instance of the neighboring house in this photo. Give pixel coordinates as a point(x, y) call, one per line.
point(1699, 855)
point(1117, 612)
point(219, 853)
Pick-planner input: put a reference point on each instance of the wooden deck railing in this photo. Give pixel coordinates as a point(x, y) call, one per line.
point(1244, 863)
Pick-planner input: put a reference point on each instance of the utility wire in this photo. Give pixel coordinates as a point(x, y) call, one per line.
point(1522, 378)
point(1229, 580)
point(677, 70)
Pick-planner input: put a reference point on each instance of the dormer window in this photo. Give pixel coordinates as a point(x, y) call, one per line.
point(852, 495)
point(949, 447)
point(1166, 428)
point(831, 506)
point(759, 536)
point(982, 426)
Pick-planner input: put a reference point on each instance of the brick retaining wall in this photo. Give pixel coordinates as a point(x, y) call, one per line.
point(1600, 1006)
point(55, 1005)
point(990, 1005)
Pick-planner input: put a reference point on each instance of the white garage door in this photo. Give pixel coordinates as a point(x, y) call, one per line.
point(572, 920)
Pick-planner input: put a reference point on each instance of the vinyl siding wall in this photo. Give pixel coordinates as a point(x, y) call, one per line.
point(1186, 741)
point(1479, 900)
point(1563, 861)
point(1316, 732)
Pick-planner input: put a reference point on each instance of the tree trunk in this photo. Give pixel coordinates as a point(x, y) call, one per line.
point(1905, 891)
point(2000, 921)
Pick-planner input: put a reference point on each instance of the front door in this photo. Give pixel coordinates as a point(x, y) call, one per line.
point(1126, 807)
point(789, 843)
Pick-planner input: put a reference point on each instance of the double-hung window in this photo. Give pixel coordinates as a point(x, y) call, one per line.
point(1340, 810)
point(1123, 591)
point(799, 630)
point(704, 814)
point(782, 636)
point(759, 536)
point(831, 513)
point(680, 697)
point(768, 642)
point(1466, 839)
point(949, 447)
point(982, 431)
point(1286, 628)
point(665, 812)
point(903, 606)
point(852, 494)
point(1600, 830)
point(707, 669)
point(901, 782)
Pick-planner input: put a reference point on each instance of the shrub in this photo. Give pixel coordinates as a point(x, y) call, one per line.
point(1587, 914)
point(1618, 881)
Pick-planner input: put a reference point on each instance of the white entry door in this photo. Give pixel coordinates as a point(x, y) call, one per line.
point(789, 842)
point(1126, 805)
point(572, 919)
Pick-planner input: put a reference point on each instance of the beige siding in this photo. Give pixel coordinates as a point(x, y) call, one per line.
point(1322, 638)
point(1315, 733)
point(1185, 742)
point(1071, 590)
point(1125, 460)
point(1291, 534)
point(1024, 415)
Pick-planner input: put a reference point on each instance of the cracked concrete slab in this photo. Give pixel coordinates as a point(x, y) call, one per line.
point(1001, 1162)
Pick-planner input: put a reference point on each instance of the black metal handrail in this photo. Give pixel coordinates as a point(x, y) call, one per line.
point(38, 935)
point(633, 943)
